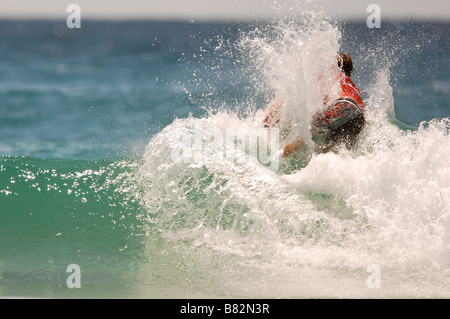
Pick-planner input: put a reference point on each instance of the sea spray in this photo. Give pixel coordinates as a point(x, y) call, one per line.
point(315, 230)
point(370, 222)
point(289, 58)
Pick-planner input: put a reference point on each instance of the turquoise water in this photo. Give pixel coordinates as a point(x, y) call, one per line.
point(89, 119)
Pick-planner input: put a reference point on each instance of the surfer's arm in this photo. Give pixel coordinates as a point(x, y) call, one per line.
point(288, 149)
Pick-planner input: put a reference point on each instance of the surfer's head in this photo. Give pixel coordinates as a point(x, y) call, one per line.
point(345, 63)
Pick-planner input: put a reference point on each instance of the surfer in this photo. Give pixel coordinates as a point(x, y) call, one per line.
point(340, 121)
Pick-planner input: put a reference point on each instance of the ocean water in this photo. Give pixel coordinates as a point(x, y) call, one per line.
point(91, 118)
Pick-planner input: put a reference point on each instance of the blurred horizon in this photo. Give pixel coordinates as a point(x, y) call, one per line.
point(215, 10)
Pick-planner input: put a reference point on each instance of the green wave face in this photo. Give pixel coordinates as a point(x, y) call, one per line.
point(60, 212)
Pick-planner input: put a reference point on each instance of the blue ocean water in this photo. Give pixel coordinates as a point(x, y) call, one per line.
point(85, 115)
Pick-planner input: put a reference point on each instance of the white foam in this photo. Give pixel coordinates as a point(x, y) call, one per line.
point(314, 232)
